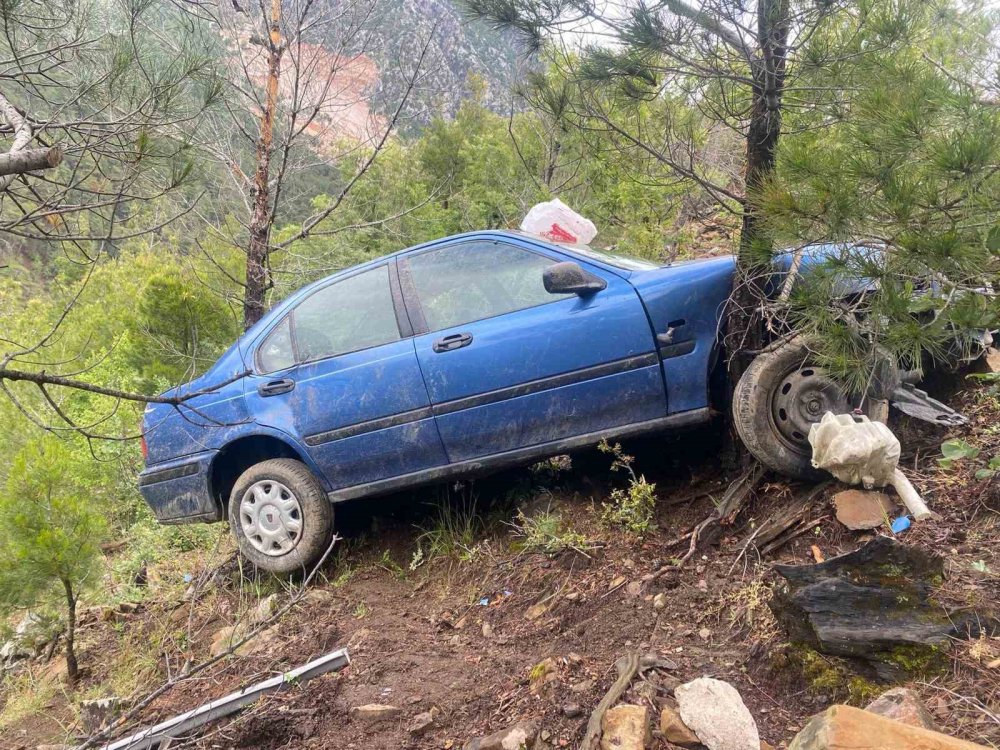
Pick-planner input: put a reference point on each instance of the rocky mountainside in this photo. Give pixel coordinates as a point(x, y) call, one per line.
point(462, 51)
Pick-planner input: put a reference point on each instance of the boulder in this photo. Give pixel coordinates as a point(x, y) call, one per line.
point(518, 737)
point(848, 728)
point(870, 603)
point(625, 727)
point(375, 712)
point(902, 704)
point(715, 712)
point(675, 731)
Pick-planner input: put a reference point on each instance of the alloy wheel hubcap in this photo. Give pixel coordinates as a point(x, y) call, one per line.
point(271, 518)
point(801, 400)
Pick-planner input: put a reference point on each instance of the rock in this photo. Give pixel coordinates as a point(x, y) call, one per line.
point(265, 608)
point(541, 674)
point(517, 737)
point(902, 704)
point(375, 712)
point(222, 640)
point(992, 360)
point(675, 731)
point(871, 602)
point(660, 601)
point(634, 588)
point(423, 722)
point(715, 712)
point(583, 686)
point(318, 597)
point(487, 630)
point(572, 710)
point(535, 611)
point(848, 728)
point(625, 727)
point(860, 510)
point(97, 714)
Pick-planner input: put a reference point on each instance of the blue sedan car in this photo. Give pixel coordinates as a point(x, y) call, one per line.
point(452, 358)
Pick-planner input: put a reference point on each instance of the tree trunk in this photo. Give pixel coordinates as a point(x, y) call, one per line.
point(744, 325)
point(72, 669)
point(258, 271)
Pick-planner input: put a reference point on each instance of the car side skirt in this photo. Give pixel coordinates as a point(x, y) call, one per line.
point(521, 455)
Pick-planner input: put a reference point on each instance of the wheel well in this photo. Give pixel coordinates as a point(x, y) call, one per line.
point(240, 455)
point(718, 380)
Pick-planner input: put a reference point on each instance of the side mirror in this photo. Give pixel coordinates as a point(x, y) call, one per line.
point(570, 278)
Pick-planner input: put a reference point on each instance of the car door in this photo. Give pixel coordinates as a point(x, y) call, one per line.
point(340, 373)
point(508, 365)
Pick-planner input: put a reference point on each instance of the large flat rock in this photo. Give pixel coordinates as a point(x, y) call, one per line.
point(849, 728)
point(871, 602)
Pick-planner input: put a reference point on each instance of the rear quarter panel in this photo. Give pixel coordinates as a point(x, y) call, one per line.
point(206, 422)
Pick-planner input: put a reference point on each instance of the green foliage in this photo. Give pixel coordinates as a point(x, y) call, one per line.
point(630, 508)
point(955, 450)
point(546, 531)
point(50, 526)
point(454, 533)
point(990, 470)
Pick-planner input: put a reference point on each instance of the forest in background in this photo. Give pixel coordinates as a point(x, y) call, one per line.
point(890, 134)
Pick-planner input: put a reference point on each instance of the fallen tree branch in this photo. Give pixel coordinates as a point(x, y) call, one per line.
point(724, 513)
point(30, 160)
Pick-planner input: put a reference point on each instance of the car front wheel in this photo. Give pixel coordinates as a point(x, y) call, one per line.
point(779, 397)
point(280, 515)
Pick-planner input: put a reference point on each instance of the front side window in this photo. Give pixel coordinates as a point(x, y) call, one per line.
point(346, 316)
point(476, 280)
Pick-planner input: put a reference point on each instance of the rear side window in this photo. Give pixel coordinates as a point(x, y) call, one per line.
point(346, 316)
point(476, 280)
point(276, 352)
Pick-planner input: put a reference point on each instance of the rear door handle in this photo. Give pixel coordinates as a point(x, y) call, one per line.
point(275, 387)
point(452, 342)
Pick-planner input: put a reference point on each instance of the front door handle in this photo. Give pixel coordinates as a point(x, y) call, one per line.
point(275, 387)
point(452, 342)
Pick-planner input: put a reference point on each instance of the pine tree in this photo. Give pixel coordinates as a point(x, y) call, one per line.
point(50, 530)
point(850, 116)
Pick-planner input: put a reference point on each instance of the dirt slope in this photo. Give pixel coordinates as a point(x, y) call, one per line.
point(490, 634)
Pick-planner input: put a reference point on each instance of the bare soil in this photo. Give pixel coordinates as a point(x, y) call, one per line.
point(454, 632)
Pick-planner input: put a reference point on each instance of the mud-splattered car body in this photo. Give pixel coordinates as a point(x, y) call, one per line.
point(460, 362)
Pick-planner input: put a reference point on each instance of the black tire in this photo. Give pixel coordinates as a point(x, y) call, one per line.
point(308, 542)
point(781, 393)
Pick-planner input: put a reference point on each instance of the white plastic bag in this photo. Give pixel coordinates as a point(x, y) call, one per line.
point(557, 222)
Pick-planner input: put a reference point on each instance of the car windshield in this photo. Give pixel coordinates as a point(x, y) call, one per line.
point(620, 261)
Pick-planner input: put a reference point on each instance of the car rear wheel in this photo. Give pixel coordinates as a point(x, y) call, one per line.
point(779, 397)
point(280, 515)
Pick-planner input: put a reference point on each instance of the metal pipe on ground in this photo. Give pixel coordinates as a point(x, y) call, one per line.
point(186, 722)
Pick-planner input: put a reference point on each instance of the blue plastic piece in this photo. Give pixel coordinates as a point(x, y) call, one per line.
point(901, 524)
